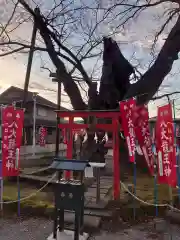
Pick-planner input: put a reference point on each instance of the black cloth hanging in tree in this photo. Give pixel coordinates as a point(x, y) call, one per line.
point(116, 72)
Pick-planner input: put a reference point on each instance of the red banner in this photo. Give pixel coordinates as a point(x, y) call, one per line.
point(165, 146)
point(42, 136)
point(142, 131)
point(9, 142)
point(19, 123)
point(128, 126)
point(178, 136)
point(19, 134)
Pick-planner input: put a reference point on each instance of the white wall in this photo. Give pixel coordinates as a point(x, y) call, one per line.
point(27, 160)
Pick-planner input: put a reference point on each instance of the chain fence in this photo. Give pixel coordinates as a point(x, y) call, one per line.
point(32, 194)
point(35, 171)
point(148, 203)
point(123, 185)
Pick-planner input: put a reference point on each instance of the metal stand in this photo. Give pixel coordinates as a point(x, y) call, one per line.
point(97, 167)
point(97, 185)
point(69, 195)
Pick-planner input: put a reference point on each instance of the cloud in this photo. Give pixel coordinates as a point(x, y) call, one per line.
point(12, 72)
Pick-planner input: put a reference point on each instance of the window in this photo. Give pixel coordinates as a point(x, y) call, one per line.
point(42, 112)
point(49, 131)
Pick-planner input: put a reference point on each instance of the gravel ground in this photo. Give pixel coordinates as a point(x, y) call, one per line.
point(39, 229)
point(31, 229)
point(146, 231)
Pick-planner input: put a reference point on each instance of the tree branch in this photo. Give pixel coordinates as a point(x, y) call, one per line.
point(54, 37)
point(11, 52)
point(165, 95)
point(78, 62)
point(137, 6)
point(10, 19)
point(35, 49)
point(148, 85)
point(69, 85)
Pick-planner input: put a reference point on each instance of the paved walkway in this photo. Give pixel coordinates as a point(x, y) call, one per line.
point(106, 182)
point(105, 186)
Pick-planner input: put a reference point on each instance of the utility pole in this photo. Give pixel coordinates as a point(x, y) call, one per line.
point(55, 79)
point(34, 123)
point(29, 65)
point(30, 58)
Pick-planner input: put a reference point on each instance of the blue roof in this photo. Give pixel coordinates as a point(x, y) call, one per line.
point(69, 164)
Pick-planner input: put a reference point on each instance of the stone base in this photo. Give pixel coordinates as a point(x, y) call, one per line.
point(173, 216)
point(160, 224)
point(67, 235)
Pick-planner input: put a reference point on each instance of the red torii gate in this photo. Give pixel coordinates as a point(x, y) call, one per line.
point(113, 127)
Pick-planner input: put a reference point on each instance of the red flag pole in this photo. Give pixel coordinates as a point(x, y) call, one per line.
point(1, 174)
point(19, 119)
point(69, 144)
point(17, 162)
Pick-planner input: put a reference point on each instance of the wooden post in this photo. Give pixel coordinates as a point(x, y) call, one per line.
point(69, 145)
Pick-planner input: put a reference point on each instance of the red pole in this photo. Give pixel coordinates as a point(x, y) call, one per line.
point(116, 162)
point(69, 145)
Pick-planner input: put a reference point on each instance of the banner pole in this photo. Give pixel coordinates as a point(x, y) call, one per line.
point(134, 180)
point(155, 179)
point(170, 196)
point(169, 187)
point(2, 182)
point(155, 193)
point(19, 196)
point(1, 186)
point(177, 150)
point(1, 199)
point(18, 182)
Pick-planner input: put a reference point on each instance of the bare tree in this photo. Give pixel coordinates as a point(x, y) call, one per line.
point(62, 22)
point(72, 34)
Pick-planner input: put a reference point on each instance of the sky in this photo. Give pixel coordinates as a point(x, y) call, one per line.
point(135, 39)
